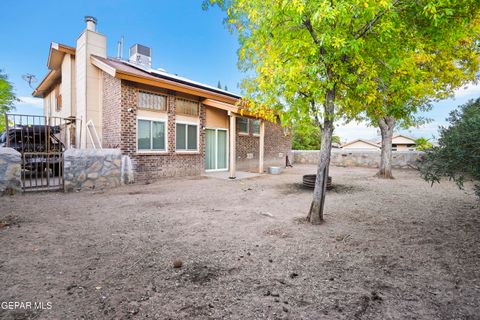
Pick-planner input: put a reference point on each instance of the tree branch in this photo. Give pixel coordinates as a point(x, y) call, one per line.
point(364, 29)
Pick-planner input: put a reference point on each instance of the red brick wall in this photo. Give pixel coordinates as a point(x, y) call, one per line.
point(247, 145)
point(119, 129)
point(111, 119)
point(277, 146)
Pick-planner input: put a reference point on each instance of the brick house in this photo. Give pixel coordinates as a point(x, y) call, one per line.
point(168, 125)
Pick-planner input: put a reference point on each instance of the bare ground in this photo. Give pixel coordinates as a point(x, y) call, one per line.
point(390, 249)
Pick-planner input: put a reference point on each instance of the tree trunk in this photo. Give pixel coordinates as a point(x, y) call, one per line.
point(315, 215)
point(386, 124)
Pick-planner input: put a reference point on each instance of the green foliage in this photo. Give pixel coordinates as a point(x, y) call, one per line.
point(308, 136)
point(362, 55)
point(423, 144)
point(458, 155)
point(7, 98)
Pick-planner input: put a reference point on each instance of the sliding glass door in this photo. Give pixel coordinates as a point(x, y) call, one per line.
point(216, 149)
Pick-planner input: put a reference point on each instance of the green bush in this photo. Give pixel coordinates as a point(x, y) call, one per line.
point(458, 155)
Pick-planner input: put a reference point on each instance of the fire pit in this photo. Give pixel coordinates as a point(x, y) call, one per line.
point(309, 181)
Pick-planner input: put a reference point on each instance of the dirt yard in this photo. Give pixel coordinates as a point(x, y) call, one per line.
point(395, 249)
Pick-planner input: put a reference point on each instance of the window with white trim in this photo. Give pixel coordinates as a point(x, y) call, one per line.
point(242, 124)
point(187, 107)
point(151, 135)
point(255, 127)
point(152, 101)
point(186, 137)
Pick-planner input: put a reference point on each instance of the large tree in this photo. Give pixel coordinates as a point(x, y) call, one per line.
point(313, 59)
point(7, 98)
point(458, 155)
point(415, 70)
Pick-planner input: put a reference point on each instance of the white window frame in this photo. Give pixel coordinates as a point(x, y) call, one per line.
point(186, 137)
point(243, 133)
point(165, 121)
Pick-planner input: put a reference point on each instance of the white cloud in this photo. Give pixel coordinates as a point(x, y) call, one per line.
point(29, 101)
point(471, 90)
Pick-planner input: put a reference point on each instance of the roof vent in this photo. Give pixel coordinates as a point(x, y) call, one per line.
point(141, 56)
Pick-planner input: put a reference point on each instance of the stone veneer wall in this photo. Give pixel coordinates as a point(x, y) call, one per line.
point(10, 171)
point(92, 169)
point(350, 158)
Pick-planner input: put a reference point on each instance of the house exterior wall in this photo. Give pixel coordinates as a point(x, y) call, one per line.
point(216, 118)
point(89, 83)
point(148, 165)
point(402, 140)
point(277, 146)
point(111, 116)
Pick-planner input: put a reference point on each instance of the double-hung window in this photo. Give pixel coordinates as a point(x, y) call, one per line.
point(186, 138)
point(151, 135)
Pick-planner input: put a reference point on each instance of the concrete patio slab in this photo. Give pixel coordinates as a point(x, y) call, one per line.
point(240, 175)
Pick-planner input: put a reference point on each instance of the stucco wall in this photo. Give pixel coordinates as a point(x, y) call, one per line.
point(353, 158)
point(10, 171)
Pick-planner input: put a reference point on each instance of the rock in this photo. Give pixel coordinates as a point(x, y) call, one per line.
point(267, 214)
point(177, 263)
point(82, 177)
point(285, 309)
point(92, 175)
point(293, 275)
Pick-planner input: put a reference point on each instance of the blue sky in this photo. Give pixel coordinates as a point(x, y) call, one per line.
point(185, 40)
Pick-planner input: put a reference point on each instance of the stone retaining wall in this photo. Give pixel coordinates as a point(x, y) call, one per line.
point(93, 169)
point(10, 171)
point(352, 158)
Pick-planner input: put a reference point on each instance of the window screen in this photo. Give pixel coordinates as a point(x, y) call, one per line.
point(242, 124)
point(151, 135)
point(256, 126)
point(186, 137)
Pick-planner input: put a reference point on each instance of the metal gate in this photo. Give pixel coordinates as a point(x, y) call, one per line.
point(41, 142)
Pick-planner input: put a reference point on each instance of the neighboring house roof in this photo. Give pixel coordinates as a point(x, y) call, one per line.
point(132, 72)
point(373, 144)
point(401, 139)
